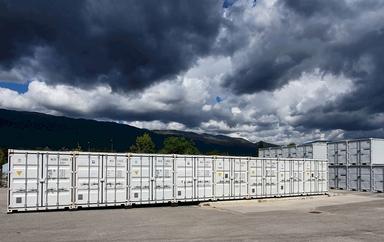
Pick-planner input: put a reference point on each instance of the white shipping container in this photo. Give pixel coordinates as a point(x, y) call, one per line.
point(366, 152)
point(359, 178)
point(356, 152)
point(40, 180)
point(378, 178)
point(337, 153)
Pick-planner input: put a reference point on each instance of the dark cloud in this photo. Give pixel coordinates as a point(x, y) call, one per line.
point(318, 7)
point(337, 37)
point(133, 44)
point(128, 44)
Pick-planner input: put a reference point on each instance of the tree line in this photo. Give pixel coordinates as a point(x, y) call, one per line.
point(171, 145)
point(143, 144)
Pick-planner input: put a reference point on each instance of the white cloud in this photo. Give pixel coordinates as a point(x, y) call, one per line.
point(263, 116)
point(235, 110)
point(157, 125)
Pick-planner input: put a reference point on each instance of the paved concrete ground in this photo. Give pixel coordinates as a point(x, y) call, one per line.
point(345, 216)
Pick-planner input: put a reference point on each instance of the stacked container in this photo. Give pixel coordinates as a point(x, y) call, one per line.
point(313, 150)
point(40, 180)
point(356, 165)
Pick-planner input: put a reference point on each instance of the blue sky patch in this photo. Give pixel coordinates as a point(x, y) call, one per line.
point(18, 87)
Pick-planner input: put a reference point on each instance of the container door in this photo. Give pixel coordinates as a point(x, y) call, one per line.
point(300, 150)
point(57, 174)
point(252, 178)
point(315, 175)
point(353, 152)
point(240, 177)
point(378, 178)
point(25, 190)
point(342, 156)
point(311, 176)
point(222, 178)
point(285, 186)
point(292, 152)
point(285, 152)
point(261, 153)
point(365, 179)
point(140, 176)
point(307, 176)
point(267, 153)
point(255, 178)
point(298, 176)
point(184, 178)
point(332, 158)
point(115, 179)
point(342, 175)
point(270, 178)
point(204, 177)
point(162, 178)
point(308, 152)
point(365, 152)
point(279, 153)
point(323, 176)
point(284, 177)
point(332, 177)
point(354, 178)
point(88, 188)
point(273, 153)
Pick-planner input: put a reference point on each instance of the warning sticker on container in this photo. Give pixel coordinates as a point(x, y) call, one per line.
point(19, 173)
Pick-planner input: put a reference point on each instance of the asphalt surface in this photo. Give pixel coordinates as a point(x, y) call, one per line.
point(344, 216)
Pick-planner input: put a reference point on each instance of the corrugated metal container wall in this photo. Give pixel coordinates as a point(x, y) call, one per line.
point(354, 178)
point(378, 178)
point(40, 180)
point(366, 178)
point(342, 177)
point(337, 153)
point(332, 177)
point(341, 154)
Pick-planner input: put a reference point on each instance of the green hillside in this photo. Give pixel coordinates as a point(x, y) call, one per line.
point(28, 130)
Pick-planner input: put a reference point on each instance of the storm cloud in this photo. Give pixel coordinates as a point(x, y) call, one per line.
point(282, 70)
point(127, 44)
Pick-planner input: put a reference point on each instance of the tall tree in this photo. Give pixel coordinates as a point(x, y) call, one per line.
point(144, 144)
point(179, 145)
point(2, 157)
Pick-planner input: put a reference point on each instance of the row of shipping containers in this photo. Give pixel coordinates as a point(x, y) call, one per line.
point(361, 152)
point(345, 152)
point(315, 150)
point(355, 165)
point(357, 178)
point(40, 180)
